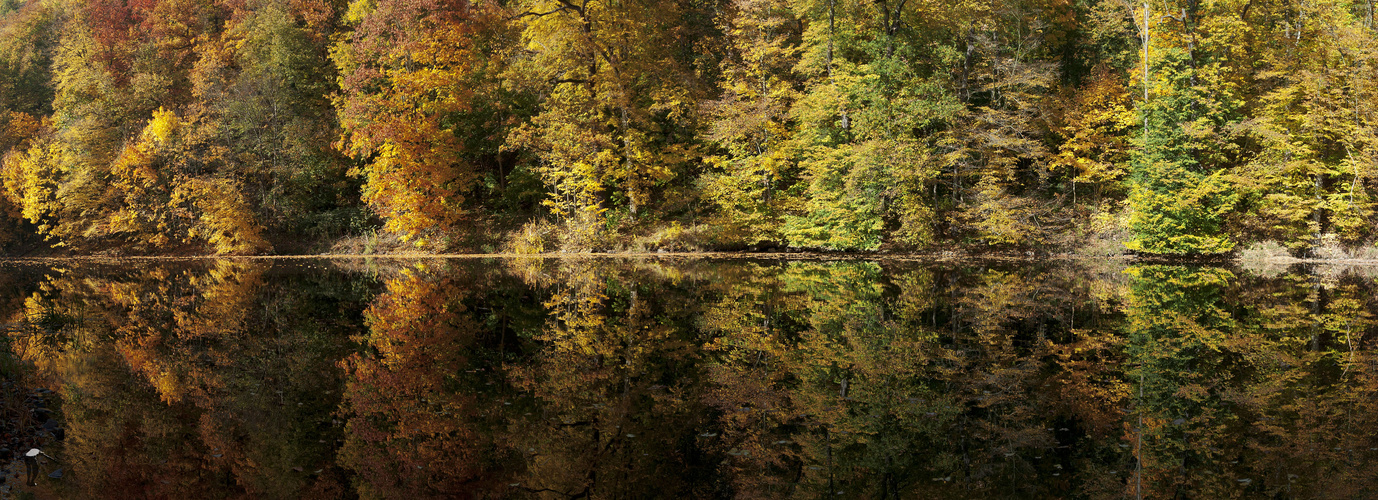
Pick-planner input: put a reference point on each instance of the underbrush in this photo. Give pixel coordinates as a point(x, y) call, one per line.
point(1100, 233)
point(373, 242)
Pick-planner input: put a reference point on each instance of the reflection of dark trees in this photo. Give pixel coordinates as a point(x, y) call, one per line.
point(602, 378)
point(1177, 331)
point(1251, 387)
point(198, 381)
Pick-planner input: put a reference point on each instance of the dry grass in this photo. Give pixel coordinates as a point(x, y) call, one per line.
point(1104, 234)
point(535, 237)
point(373, 243)
point(1265, 258)
point(675, 238)
point(1332, 249)
point(1264, 251)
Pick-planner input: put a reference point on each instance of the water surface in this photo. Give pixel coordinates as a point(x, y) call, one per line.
point(646, 378)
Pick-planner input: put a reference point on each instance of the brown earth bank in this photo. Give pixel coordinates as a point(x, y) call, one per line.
point(506, 240)
point(937, 256)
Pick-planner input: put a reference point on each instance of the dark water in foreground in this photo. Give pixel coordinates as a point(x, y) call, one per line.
point(702, 379)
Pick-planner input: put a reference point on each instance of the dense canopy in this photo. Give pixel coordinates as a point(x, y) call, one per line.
point(252, 126)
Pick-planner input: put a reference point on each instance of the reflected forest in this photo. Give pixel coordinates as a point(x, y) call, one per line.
point(600, 378)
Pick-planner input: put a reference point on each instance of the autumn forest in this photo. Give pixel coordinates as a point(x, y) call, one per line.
point(283, 126)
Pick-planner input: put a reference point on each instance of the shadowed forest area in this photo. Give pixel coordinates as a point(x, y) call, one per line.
point(296, 126)
point(532, 378)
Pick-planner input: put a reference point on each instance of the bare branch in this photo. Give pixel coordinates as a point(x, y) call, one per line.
point(538, 14)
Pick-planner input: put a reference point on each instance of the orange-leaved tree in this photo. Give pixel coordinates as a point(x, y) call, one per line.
point(407, 76)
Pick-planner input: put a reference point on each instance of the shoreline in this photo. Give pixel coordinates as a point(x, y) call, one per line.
point(824, 256)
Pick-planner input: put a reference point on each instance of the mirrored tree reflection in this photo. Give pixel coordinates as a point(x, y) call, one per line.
point(1250, 387)
point(195, 382)
point(607, 378)
point(1178, 337)
point(414, 417)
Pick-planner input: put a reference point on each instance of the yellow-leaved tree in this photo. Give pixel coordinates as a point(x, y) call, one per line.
point(617, 117)
point(162, 204)
point(749, 181)
point(1095, 126)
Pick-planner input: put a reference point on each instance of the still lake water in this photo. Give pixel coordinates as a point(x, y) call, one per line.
point(700, 378)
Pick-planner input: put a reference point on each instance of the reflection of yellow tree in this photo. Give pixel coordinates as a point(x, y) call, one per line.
point(172, 391)
point(107, 406)
point(1178, 335)
point(749, 327)
point(1312, 392)
point(856, 380)
point(410, 432)
point(1088, 383)
point(1016, 368)
point(813, 382)
point(841, 377)
point(1269, 396)
point(163, 319)
point(610, 375)
point(999, 365)
point(642, 379)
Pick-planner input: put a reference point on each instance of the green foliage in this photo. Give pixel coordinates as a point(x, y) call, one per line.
point(1180, 197)
point(28, 36)
point(816, 124)
point(868, 157)
point(1185, 220)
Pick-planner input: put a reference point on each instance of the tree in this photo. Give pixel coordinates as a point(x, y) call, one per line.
point(618, 109)
point(751, 183)
point(1094, 129)
point(262, 118)
point(1314, 126)
point(869, 99)
point(1180, 195)
point(409, 74)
